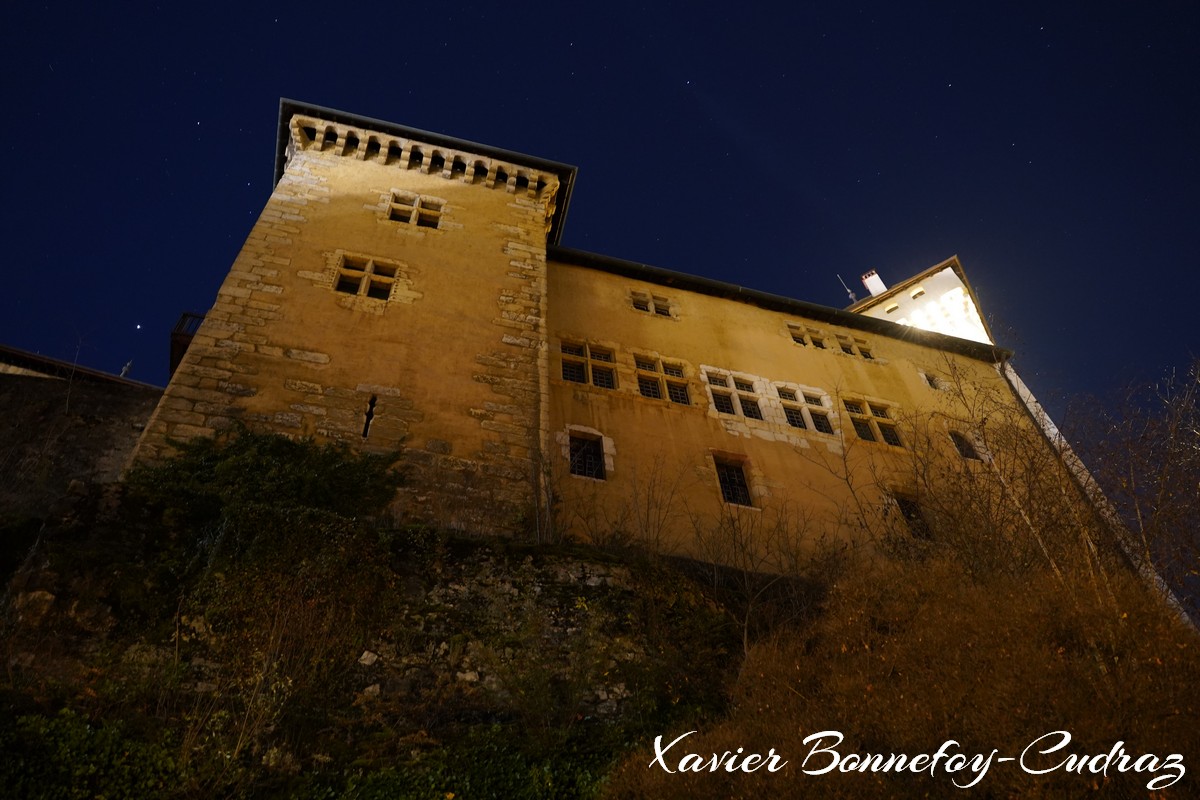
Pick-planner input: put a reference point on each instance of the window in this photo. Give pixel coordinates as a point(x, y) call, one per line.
point(889, 434)
point(872, 422)
point(579, 365)
point(652, 386)
point(587, 457)
point(732, 478)
point(651, 304)
point(914, 518)
point(649, 387)
point(747, 400)
point(678, 393)
point(414, 208)
point(368, 277)
point(863, 429)
point(964, 446)
point(806, 416)
point(855, 347)
point(821, 421)
point(806, 336)
point(933, 381)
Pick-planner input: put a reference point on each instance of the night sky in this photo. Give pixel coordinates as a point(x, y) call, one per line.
point(1054, 150)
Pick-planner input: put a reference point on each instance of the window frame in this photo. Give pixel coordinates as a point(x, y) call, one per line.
point(965, 446)
point(733, 481)
point(912, 514)
point(651, 304)
point(872, 421)
point(418, 210)
point(585, 456)
point(369, 273)
point(666, 377)
point(596, 364)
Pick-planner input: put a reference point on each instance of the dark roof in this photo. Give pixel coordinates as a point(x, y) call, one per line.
point(53, 368)
point(785, 305)
point(565, 172)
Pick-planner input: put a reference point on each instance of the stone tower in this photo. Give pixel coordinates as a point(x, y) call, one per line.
point(391, 294)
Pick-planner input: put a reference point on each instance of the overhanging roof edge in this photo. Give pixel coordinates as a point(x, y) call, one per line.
point(837, 316)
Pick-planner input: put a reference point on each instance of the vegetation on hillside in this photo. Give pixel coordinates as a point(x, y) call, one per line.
point(245, 621)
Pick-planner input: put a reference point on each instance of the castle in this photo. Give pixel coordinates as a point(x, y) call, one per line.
point(403, 289)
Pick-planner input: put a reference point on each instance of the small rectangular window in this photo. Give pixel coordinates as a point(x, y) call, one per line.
point(889, 434)
point(865, 353)
point(863, 429)
point(812, 400)
point(678, 393)
point(429, 215)
point(795, 417)
point(673, 370)
point(716, 380)
point(649, 387)
point(401, 207)
point(641, 304)
point(853, 407)
point(750, 407)
point(574, 371)
point(601, 355)
point(645, 364)
point(723, 403)
point(662, 307)
point(878, 411)
point(604, 377)
point(821, 422)
point(573, 349)
point(743, 386)
point(785, 394)
point(366, 276)
point(587, 457)
point(964, 446)
point(914, 518)
point(405, 207)
point(732, 478)
point(818, 343)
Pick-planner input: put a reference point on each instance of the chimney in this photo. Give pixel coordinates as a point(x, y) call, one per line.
point(874, 283)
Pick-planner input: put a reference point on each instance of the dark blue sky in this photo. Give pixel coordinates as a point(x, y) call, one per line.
point(1054, 150)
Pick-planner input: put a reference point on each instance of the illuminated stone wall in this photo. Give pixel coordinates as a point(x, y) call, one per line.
point(406, 291)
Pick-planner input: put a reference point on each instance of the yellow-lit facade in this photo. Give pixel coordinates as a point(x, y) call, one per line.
point(407, 290)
